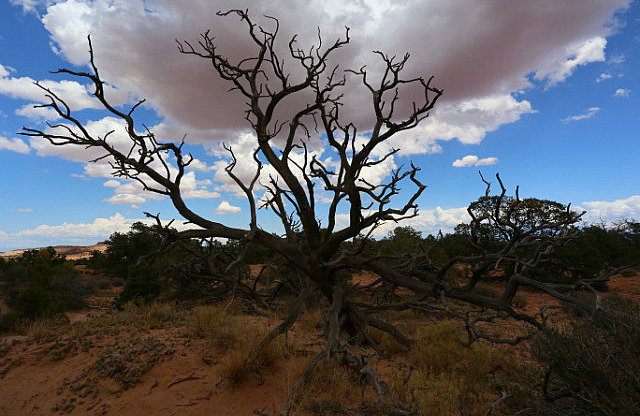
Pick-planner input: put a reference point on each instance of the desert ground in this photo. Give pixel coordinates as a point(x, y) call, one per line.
point(189, 360)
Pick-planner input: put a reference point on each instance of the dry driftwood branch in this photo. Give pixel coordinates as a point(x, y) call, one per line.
point(190, 377)
point(313, 240)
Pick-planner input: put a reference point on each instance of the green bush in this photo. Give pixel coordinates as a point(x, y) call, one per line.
point(597, 359)
point(35, 300)
point(125, 250)
point(143, 284)
point(39, 284)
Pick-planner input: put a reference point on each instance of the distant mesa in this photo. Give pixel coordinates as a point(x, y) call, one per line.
point(72, 252)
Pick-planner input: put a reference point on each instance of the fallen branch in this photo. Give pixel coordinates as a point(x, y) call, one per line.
point(153, 386)
point(181, 380)
point(497, 403)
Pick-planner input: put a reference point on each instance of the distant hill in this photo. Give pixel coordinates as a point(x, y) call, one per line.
point(72, 252)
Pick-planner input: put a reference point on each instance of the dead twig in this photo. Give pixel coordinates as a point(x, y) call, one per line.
point(181, 380)
point(497, 403)
point(153, 386)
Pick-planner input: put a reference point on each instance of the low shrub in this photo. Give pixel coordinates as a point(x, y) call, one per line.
point(143, 285)
point(597, 359)
point(449, 377)
point(239, 336)
point(213, 323)
point(126, 360)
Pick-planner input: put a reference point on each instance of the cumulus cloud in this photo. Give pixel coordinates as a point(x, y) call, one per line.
point(130, 192)
point(74, 233)
point(28, 6)
point(607, 211)
point(75, 94)
point(226, 208)
point(468, 121)
point(126, 199)
point(584, 116)
point(66, 233)
point(482, 64)
point(603, 77)
point(622, 93)
point(112, 183)
point(134, 44)
point(37, 113)
point(193, 188)
point(15, 145)
point(576, 54)
point(473, 160)
point(618, 59)
point(430, 221)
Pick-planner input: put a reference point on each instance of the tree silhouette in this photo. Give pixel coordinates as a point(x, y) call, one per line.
point(312, 238)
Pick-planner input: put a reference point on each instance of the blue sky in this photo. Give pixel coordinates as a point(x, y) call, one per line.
point(545, 93)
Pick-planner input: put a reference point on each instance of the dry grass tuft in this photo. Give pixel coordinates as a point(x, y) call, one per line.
point(216, 325)
point(449, 377)
point(45, 330)
point(238, 334)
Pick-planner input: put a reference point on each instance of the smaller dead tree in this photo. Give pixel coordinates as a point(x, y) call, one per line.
point(312, 239)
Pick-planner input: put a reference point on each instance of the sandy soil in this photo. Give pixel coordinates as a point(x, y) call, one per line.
point(185, 380)
point(59, 376)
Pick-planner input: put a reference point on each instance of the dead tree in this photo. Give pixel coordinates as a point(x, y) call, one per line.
point(312, 239)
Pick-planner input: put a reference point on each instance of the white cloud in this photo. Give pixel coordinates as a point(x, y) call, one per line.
point(37, 113)
point(584, 116)
point(604, 76)
point(473, 160)
point(197, 164)
point(429, 221)
point(561, 66)
point(618, 59)
point(598, 211)
point(226, 208)
point(469, 121)
point(126, 199)
point(112, 183)
point(192, 188)
point(76, 94)
point(15, 145)
point(28, 6)
point(83, 233)
point(96, 128)
point(134, 44)
point(622, 93)
point(24, 88)
point(23, 210)
point(130, 192)
point(77, 234)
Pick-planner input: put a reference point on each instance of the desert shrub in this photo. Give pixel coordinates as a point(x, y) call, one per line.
point(238, 365)
point(135, 259)
point(69, 291)
point(328, 387)
point(126, 360)
point(8, 321)
point(125, 249)
point(213, 323)
point(41, 283)
point(597, 359)
point(157, 315)
point(13, 279)
point(449, 377)
point(239, 336)
point(35, 299)
point(143, 284)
